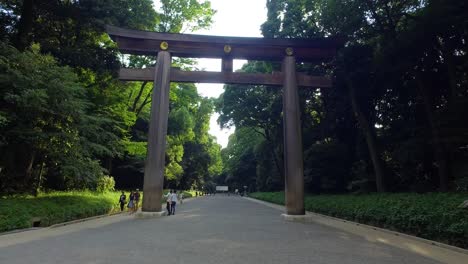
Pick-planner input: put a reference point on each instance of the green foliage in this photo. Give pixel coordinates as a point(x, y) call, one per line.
point(184, 15)
point(192, 156)
point(105, 184)
point(326, 165)
point(65, 118)
point(239, 158)
point(253, 155)
point(53, 208)
point(181, 124)
point(75, 174)
point(45, 114)
point(187, 194)
point(433, 216)
point(58, 123)
point(136, 148)
point(394, 120)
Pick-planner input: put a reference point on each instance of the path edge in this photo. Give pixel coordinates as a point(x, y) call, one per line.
point(388, 231)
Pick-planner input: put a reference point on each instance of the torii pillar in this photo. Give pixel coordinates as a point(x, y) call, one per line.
point(293, 163)
point(155, 157)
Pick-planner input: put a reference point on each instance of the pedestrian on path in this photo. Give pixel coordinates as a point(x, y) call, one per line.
point(122, 201)
point(131, 204)
point(168, 202)
point(181, 197)
point(173, 201)
point(136, 199)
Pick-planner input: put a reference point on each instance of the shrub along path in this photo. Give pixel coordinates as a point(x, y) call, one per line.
point(53, 208)
point(213, 229)
point(57, 207)
point(435, 216)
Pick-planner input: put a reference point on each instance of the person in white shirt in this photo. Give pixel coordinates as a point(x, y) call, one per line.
point(173, 202)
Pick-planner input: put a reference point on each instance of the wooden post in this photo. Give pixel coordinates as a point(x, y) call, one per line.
point(155, 158)
point(226, 64)
point(293, 163)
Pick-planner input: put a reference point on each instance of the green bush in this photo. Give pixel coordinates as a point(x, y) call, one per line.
point(187, 194)
point(433, 216)
point(105, 184)
point(53, 208)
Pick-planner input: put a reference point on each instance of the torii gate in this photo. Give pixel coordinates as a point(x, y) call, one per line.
point(165, 45)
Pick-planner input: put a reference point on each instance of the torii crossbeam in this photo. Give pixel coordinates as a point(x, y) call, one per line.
point(165, 45)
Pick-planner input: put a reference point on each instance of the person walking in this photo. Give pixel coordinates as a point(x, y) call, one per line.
point(122, 201)
point(136, 199)
point(131, 204)
point(168, 202)
point(181, 197)
point(173, 201)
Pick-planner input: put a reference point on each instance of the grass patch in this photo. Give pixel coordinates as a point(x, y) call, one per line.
point(17, 212)
point(434, 216)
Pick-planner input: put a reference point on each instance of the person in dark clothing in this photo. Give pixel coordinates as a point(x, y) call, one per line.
point(122, 201)
point(168, 202)
point(173, 201)
point(131, 203)
point(136, 199)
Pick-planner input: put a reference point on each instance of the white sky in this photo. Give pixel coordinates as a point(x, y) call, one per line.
point(233, 18)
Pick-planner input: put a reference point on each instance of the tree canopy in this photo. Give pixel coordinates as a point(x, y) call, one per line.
point(65, 119)
point(394, 120)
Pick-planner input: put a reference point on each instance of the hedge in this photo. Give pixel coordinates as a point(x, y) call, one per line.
point(434, 216)
point(53, 208)
point(17, 212)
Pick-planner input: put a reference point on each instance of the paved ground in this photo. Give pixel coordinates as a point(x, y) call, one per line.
point(205, 230)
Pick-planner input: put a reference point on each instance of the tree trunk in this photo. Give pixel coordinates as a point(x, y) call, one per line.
point(25, 25)
point(447, 53)
point(145, 102)
point(135, 102)
point(371, 139)
point(437, 144)
point(38, 183)
point(29, 167)
point(109, 165)
point(276, 156)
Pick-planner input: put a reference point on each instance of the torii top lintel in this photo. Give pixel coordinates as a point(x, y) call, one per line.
point(201, 46)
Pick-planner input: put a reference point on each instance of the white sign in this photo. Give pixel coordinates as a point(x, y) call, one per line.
point(222, 188)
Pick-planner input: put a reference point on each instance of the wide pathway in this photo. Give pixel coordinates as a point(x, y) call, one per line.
point(215, 229)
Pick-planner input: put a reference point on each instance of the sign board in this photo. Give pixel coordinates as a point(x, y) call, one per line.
point(222, 188)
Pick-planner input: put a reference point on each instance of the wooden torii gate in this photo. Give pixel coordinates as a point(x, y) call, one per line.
point(165, 45)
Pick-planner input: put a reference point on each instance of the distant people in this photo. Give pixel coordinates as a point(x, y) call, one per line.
point(122, 201)
point(168, 202)
point(136, 198)
point(181, 197)
point(131, 203)
point(173, 201)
